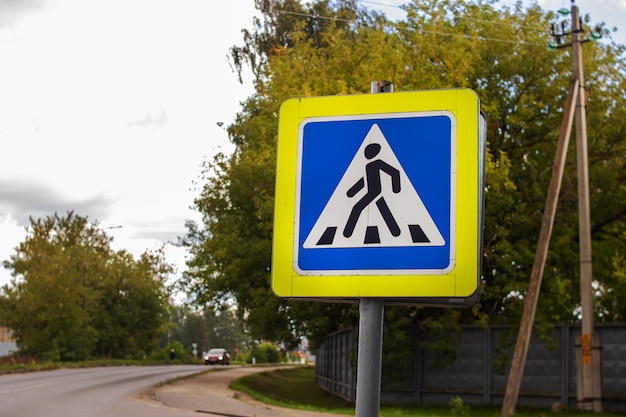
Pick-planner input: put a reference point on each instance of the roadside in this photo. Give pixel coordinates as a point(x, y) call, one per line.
point(208, 393)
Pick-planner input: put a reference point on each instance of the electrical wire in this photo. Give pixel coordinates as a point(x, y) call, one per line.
point(337, 19)
point(401, 7)
point(380, 4)
point(477, 37)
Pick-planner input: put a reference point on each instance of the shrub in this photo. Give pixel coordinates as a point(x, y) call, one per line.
point(264, 353)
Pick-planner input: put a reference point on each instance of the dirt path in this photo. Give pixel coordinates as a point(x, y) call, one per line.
point(209, 394)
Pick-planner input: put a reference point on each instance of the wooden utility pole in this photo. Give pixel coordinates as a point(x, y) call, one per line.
point(589, 391)
point(590, 400)
point(532, 295)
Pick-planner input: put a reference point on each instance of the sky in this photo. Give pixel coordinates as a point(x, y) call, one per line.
point(110, 107)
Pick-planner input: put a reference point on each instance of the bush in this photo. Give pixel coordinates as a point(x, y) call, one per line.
point(458, 408)
point(163, 354)
point(264, 353)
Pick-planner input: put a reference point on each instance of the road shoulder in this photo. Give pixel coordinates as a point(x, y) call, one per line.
point(208, 393)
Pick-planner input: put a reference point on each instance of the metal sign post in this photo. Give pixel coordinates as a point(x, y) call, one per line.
point(370, 348)
point(370, 355)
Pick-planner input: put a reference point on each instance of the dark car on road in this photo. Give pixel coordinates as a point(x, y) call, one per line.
point(217, 355)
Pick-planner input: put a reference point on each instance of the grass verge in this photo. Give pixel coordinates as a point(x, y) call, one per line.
point(291, 388)
point(296, 388)
point(10, 365)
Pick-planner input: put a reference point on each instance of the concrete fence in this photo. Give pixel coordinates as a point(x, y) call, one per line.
point(479, 371)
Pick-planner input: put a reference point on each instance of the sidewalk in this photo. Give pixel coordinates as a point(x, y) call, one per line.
point(209, 394)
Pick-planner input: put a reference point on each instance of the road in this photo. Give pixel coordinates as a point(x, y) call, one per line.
point(133, 391)
point(87, 392)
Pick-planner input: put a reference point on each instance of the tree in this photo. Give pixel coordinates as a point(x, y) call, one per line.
point(133, 305)
point(72, 297)
point(207, 328)
point(501, 54)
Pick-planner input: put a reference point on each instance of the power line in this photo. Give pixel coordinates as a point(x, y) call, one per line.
point(481, 38)
point(315, 16)
point(380, 4)
point(538, 29)
point(401, 7)
point(431, 32)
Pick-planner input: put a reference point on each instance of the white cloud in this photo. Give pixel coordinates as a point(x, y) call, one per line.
point(109, 107)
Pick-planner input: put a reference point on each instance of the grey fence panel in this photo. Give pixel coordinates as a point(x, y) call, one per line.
point(479, 371)
point(334, 364)
point(613, 342)
point(464, 377)
point(465, 373)
point(543, 372)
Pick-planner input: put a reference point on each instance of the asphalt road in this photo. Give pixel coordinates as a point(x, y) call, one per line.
point(86, 392)
point(133, 391)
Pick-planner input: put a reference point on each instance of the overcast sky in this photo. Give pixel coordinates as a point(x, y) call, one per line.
point(109, 107)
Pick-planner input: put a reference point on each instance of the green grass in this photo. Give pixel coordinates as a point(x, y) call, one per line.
point(296, 388)
point(9, 365)
point(292, 388)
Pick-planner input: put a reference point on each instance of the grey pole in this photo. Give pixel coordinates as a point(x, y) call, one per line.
point(370, 356)
point(370, 349)
point(381, 86)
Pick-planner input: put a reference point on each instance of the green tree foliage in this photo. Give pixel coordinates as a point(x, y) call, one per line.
point(73, 298)
point(324, 48)
point(133, 305)
point(208, 329)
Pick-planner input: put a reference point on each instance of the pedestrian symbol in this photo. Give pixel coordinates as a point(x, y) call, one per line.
point(374, 204)
point(374, 189)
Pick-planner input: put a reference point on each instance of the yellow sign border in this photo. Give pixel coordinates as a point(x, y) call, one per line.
point(460, 281)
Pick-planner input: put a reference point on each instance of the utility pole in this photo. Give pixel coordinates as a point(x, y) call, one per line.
point(532, 295)
point(589, 379)
point(590, 400)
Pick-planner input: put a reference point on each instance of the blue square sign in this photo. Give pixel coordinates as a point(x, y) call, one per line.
point(375, 194)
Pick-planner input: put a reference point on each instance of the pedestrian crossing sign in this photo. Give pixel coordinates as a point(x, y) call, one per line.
point(380, 195)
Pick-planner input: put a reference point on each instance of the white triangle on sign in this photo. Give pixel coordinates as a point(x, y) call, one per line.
point(415, 226)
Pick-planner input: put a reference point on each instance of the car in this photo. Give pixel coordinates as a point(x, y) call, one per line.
point(217, 355)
